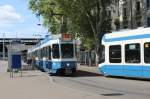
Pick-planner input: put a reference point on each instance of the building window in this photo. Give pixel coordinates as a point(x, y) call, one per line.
point(132, 53)
point(147, 52)
point(124, 11)
point(148, 3)
point(148, 22)
point(138, 6)
point(138, 24)
point(109, 13)
point(115, 54)
point(125, 27)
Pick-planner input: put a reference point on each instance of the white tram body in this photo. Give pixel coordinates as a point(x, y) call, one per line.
point(127, 53)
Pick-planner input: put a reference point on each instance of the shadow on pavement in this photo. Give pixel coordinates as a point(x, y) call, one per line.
point(81, 73)
point(24, 76)
point(30, 75)
point(129, 78)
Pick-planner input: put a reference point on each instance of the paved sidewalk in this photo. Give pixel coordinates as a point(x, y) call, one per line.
point(3, 66)
point(36, 85)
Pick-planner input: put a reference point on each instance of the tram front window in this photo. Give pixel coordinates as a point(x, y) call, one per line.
point(115, 54)
point(147, 52)
point(67, 50)
point(55, 51)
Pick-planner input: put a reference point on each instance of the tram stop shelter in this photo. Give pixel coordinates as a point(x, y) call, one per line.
point(14, 57)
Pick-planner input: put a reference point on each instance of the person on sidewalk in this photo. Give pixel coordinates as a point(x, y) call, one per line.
point(33, 62)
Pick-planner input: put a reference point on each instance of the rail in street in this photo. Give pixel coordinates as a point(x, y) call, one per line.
point(110, 87)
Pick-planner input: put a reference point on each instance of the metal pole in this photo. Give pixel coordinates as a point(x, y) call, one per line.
point(3, 46)
point(9, 57)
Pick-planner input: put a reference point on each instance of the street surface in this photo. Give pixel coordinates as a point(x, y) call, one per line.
point(86, 84)
point(87, 80)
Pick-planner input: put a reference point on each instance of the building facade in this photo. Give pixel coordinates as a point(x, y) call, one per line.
point(147, 13)
point(134, 13)
point(112, 14)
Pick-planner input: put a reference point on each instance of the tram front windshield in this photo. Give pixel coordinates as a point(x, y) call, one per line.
point(67, 50)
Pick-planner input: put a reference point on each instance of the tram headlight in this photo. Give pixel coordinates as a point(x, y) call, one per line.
point(68, 64)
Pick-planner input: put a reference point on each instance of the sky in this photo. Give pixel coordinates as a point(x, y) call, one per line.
point(16, 20)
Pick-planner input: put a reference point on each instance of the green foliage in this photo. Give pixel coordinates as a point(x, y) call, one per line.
point(46, 10)
point(87, 18)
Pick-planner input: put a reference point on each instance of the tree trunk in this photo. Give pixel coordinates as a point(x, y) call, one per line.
point(97, 59)
point(97, 53)
point(90, 61)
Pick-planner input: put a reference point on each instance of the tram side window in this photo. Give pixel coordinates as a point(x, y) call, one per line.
point(147, 52)
point(115, 54)
point(55, 51)
point(35, 54)
point(132, 53)
point(40, 54)
point(43, 52)
point(49, 52)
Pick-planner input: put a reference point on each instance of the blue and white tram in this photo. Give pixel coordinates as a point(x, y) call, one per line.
point(55, 54)
point(127, 53)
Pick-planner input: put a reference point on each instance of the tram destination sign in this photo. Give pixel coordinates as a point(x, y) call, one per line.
point(66, 37)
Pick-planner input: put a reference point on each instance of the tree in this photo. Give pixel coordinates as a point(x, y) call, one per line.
point(46, 10)
point(88, 18)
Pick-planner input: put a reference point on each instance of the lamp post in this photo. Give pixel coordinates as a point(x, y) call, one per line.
point(3, 46)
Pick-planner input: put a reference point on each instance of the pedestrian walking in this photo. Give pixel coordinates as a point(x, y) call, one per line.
point(33, 62)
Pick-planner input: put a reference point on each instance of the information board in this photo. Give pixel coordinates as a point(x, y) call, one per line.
point(16, 61)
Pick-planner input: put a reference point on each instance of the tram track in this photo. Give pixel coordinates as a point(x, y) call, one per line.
point(96, 87)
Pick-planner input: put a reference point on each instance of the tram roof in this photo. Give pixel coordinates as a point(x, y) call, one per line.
point(47, 41)
point(127, 35)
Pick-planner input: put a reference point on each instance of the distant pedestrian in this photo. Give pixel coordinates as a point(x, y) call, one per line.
point(33, 62)
point(29, 61)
